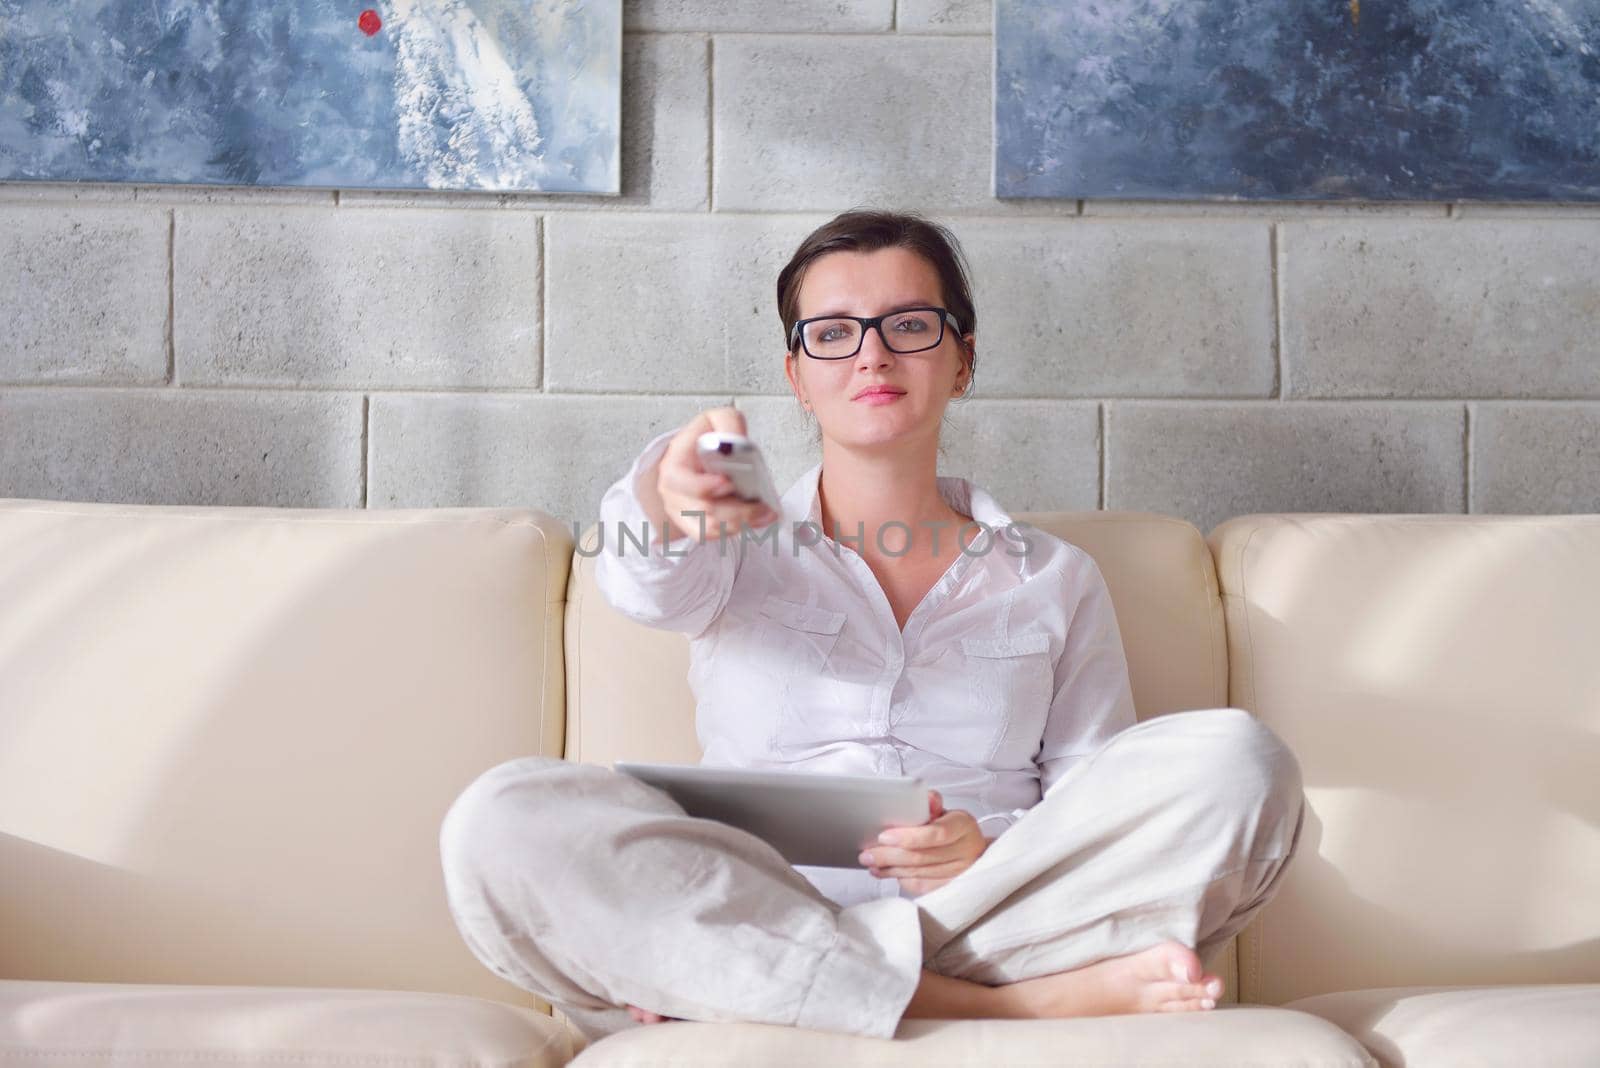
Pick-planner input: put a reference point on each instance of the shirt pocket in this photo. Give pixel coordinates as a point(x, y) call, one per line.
point(1009, 683)
point(798, 640)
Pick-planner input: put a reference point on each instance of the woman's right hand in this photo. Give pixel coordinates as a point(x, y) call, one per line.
point(685, 487)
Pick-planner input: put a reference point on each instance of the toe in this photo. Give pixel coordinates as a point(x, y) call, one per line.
point(1186, 1005)
point(645, 1016)
point(1163, 993)
point(1182, 962)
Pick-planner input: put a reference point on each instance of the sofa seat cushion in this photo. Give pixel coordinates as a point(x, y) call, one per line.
point(1239, 1036)
point(1470, 1026)
point(67, 1025)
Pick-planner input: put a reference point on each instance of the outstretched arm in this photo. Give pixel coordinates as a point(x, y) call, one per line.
point(666, 558)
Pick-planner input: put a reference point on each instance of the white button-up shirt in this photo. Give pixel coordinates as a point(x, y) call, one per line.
point(1010, 670)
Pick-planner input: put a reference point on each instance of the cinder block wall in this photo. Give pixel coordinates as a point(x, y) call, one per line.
point(346, 349)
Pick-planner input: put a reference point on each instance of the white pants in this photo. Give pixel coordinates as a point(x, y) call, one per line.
point(593, 890)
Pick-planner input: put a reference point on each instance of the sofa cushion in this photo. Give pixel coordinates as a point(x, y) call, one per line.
point(1554, 1026)
point(1236, 1036)
point(229, 736)
point(90, 1025)
point(1436, 677)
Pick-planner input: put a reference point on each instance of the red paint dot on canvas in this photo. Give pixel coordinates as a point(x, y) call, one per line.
point(369, 22)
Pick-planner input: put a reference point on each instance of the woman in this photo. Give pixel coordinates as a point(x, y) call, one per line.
point(887, 621)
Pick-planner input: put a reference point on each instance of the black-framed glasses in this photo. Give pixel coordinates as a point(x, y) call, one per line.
point(839, 337)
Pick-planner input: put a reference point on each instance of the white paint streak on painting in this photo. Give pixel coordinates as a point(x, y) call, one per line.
point(462, 120)
point(1560, 20)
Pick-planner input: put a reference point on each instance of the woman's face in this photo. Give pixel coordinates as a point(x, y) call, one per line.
point(868, 284)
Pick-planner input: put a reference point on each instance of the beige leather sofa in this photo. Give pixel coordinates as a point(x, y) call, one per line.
point(228, 737)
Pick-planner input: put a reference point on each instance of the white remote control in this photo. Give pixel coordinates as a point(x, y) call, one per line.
point(736, 456)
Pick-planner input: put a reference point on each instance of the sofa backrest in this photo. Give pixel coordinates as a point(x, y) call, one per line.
point(228, 736)
point(1438, 678)
point(628, 696)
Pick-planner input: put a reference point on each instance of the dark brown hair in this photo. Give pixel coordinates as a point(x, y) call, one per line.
point(869, 231)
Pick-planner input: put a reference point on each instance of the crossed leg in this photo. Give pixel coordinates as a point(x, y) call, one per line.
point(1172, 835)
point(1107, 896)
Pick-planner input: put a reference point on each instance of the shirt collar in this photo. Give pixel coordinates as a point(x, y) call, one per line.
point(801, 503)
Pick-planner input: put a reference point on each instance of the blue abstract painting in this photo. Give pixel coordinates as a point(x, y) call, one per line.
point(1291, 99)
point(511, 95)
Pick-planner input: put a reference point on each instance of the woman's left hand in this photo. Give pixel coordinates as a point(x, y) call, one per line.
point(929, 855)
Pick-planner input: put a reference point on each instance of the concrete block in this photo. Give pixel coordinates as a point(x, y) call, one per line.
point(180, 446)
point(666, 129)
point(1535, 458)
point(1031, 455)
point(556, 454)
point(945, 16)
point(741, 16)
point(559, 453)
point(818, 123)
point(86, 292)
point(1128, 308)
point(665, 304)
point(1210, 461)
point(313, 296)
point(1440, 309)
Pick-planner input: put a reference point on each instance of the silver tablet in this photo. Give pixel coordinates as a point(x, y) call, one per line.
point(812, 819)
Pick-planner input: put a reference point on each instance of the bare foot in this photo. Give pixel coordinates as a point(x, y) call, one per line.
point(1167, 977)
point(645, 1016)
